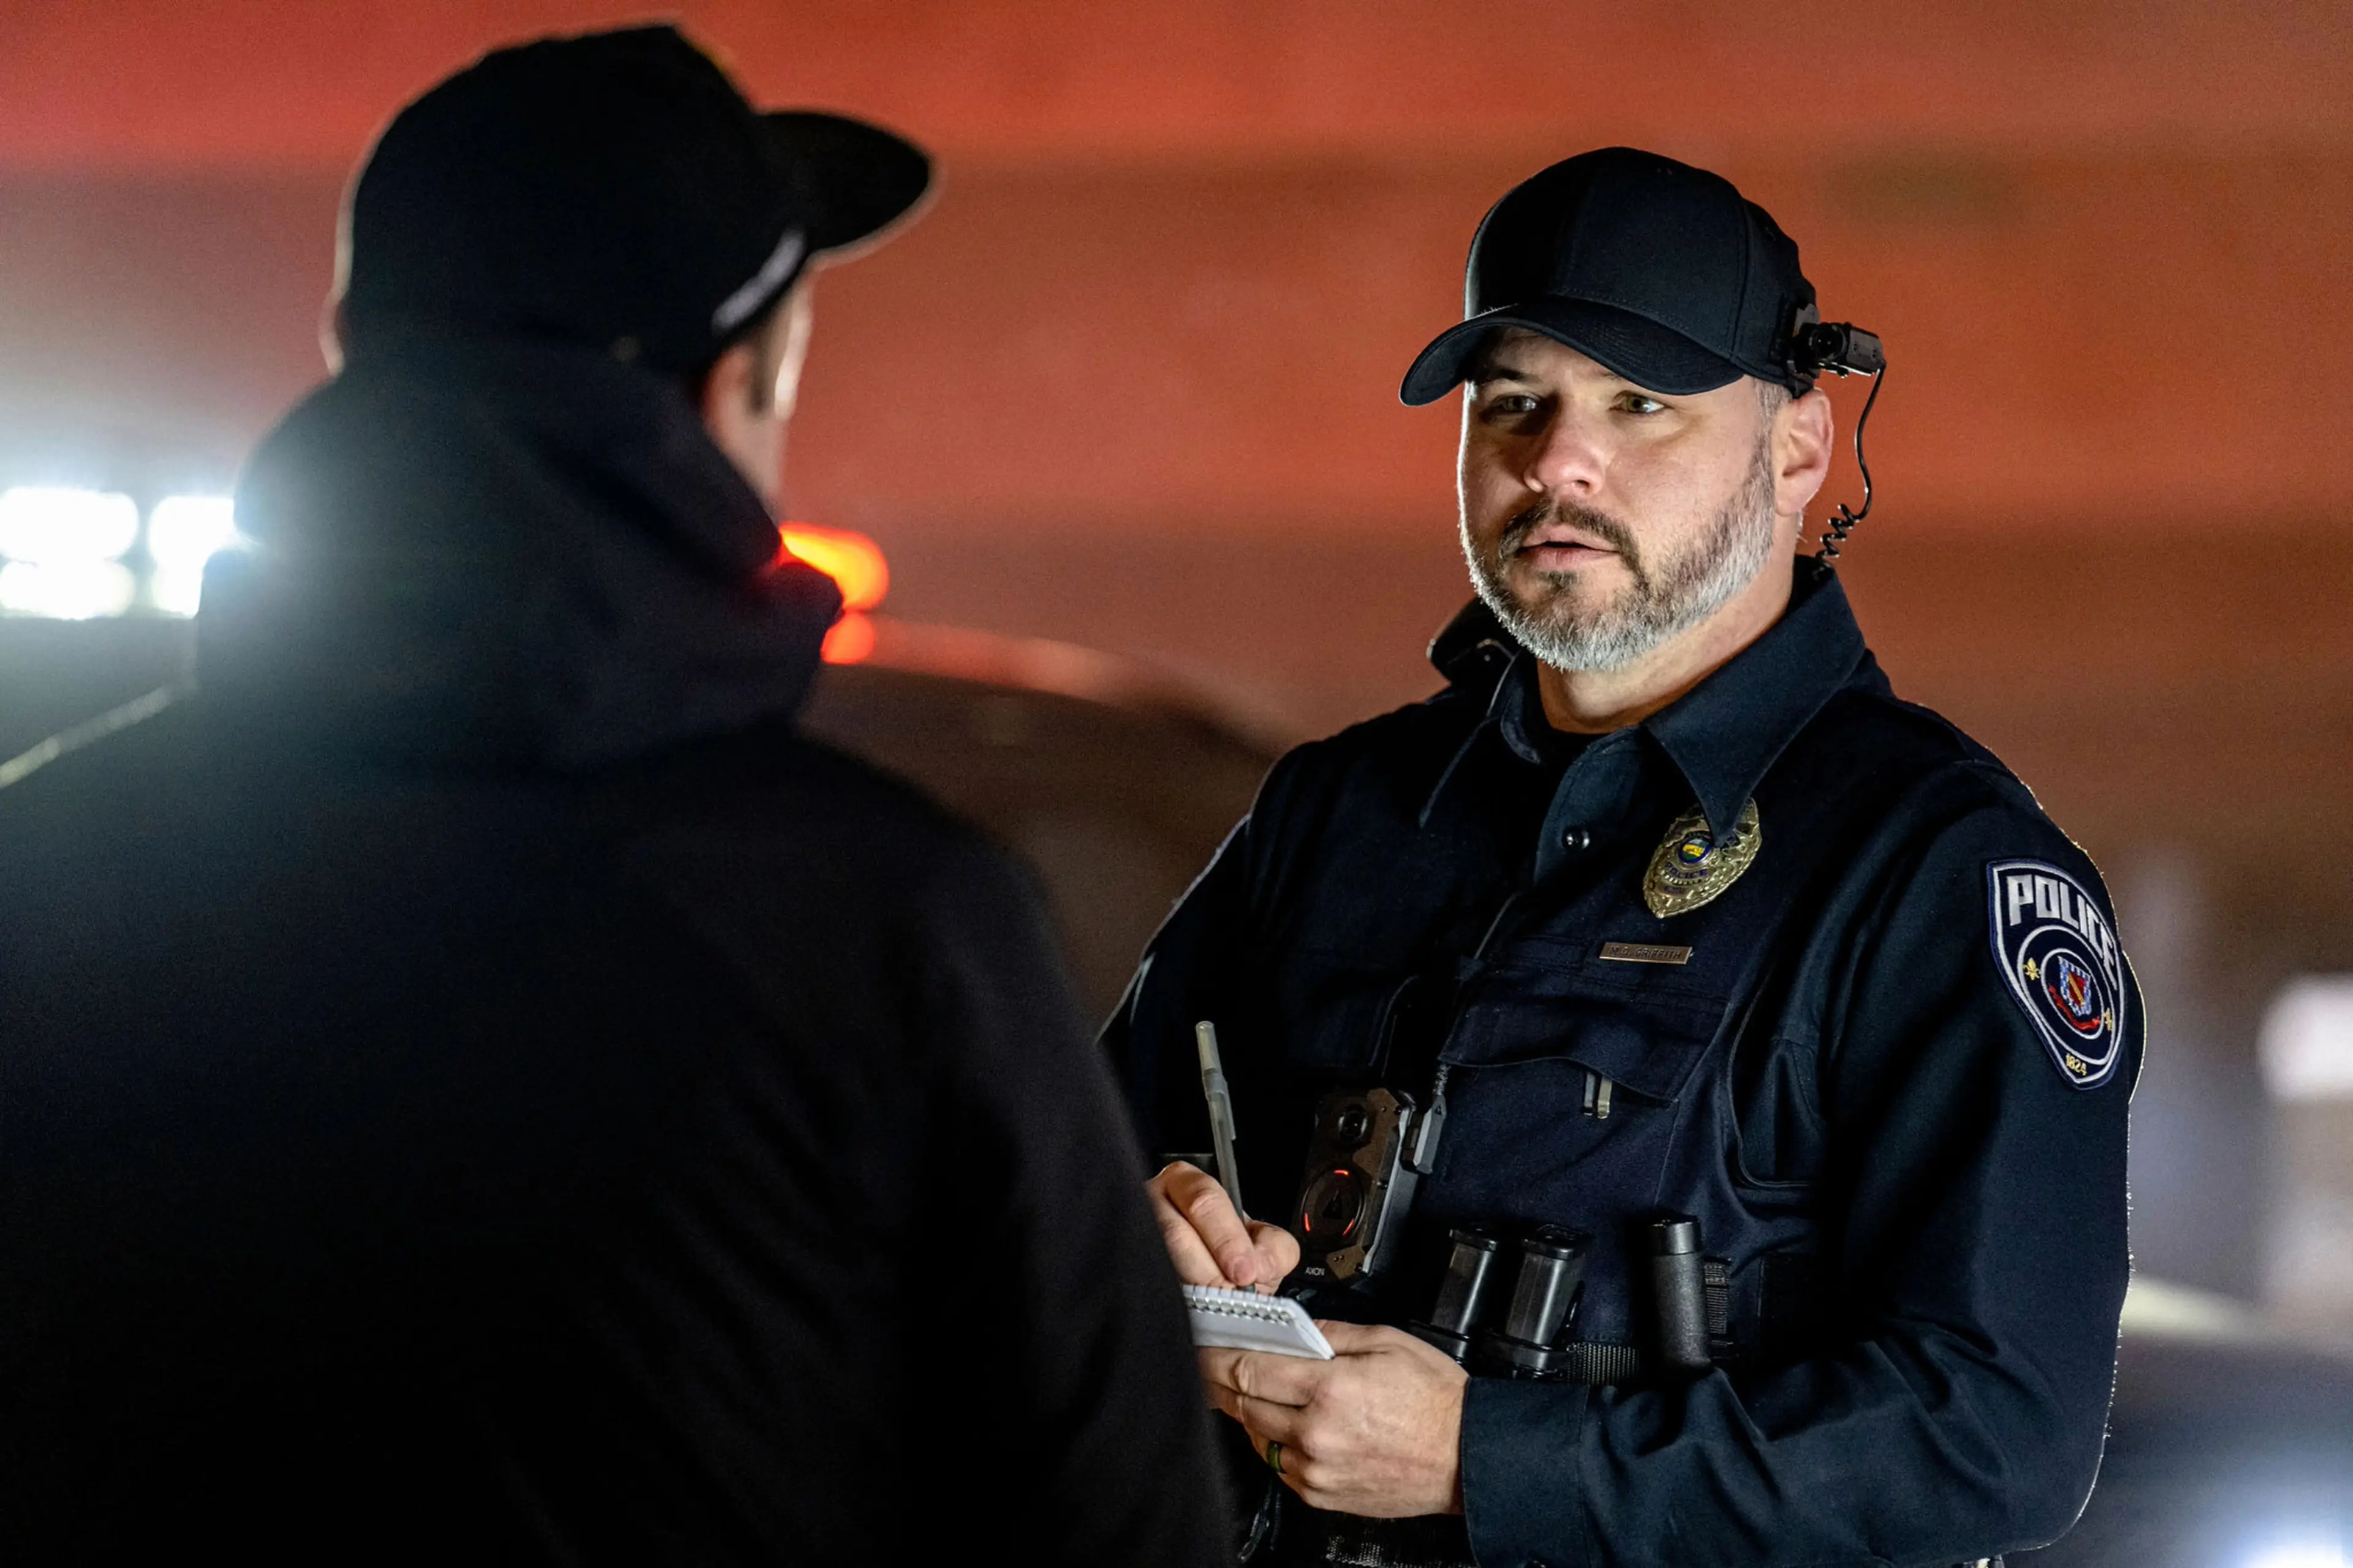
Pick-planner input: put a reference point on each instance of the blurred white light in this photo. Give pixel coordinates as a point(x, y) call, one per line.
point(54, 525)
point(75, 591)
point(2298, 1555)
point(183, 533)
point(2307, 1043)
point(176, 593)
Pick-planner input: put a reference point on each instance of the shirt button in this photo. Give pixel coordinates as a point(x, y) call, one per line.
point(1577, 840)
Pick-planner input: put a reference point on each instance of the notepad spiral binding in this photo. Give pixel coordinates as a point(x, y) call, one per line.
point(1243, 1319)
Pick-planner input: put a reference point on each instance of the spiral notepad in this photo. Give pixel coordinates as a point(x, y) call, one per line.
point(1246, 1321)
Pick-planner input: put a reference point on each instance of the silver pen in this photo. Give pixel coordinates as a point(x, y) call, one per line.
point(1222, 1111)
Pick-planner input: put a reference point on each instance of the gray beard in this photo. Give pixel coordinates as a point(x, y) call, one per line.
point(1566, 633)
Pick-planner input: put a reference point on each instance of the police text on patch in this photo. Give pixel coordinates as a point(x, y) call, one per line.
point(2060, 958)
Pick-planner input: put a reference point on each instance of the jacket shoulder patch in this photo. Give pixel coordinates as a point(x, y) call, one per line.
point(2059, 954)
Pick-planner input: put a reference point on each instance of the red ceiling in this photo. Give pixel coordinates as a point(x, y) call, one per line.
point(1184, 248)
point(1132, 380)
point(148, 84)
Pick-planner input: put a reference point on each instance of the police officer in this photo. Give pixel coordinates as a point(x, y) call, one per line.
point(1665, 925)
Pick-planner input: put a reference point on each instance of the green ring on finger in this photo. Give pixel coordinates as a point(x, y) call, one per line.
point(1275, 1457)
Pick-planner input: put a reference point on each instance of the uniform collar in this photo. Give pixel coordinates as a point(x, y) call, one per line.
point(1517, 708)
point(1725, 732)
point(1728, 730)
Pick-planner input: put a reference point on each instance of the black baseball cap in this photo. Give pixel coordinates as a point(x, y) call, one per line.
point(614, 189)
point(1662, 272)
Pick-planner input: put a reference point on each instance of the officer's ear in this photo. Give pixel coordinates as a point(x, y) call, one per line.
point(1802, 434)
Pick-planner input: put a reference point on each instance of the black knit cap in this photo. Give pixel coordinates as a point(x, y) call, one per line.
point(613, 189)
point(1660, 271)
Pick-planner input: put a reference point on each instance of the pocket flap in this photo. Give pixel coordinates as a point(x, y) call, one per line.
point(1649, 1043)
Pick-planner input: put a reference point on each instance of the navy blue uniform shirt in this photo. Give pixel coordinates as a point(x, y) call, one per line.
point(1887, 1066)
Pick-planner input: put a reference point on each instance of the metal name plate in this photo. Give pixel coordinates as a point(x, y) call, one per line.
point(1643, 953)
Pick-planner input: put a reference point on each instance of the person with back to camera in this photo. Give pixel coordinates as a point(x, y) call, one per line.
point(475, 1085)
point(1690, 1081)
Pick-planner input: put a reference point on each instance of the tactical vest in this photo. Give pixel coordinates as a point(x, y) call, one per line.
point(1592, 1091)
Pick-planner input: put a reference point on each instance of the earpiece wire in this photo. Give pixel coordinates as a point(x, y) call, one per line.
point(1842, 521)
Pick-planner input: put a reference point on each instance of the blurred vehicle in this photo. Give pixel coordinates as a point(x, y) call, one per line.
point(2229, 1448)
point(1114, 783)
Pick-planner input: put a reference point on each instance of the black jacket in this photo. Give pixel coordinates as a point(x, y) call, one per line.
point(476, 1085)
point(1886, 1067)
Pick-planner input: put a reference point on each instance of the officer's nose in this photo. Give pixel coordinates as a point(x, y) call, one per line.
point(1567, 459)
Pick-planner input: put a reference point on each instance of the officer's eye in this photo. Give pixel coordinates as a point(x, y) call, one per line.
point(1639, 403)
point(1510, 405)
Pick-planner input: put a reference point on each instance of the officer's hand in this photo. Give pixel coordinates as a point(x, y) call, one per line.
point(1375, 1431)
point(1209, 1242)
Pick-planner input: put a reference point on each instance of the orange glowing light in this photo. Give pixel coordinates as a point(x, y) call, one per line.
point(853, 561)
point(850, 641)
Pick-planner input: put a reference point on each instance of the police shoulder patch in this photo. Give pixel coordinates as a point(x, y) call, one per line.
point(2060, 956)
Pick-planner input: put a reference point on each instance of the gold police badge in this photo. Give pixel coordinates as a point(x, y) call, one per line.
point(1692, 865)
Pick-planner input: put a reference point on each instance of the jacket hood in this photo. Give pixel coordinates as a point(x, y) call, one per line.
point(505, 551)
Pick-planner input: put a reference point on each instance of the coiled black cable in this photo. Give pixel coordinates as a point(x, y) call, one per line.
point(1842, 521)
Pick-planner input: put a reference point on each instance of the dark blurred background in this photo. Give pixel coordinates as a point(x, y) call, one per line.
point(1131, 384)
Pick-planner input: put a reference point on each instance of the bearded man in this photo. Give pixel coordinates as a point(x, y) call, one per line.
point(1688, 1082)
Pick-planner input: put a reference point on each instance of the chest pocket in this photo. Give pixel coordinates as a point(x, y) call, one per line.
point(1532, 1131)
point(1643, 1032)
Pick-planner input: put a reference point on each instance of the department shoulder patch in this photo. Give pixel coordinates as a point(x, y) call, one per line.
point(2060, 956)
